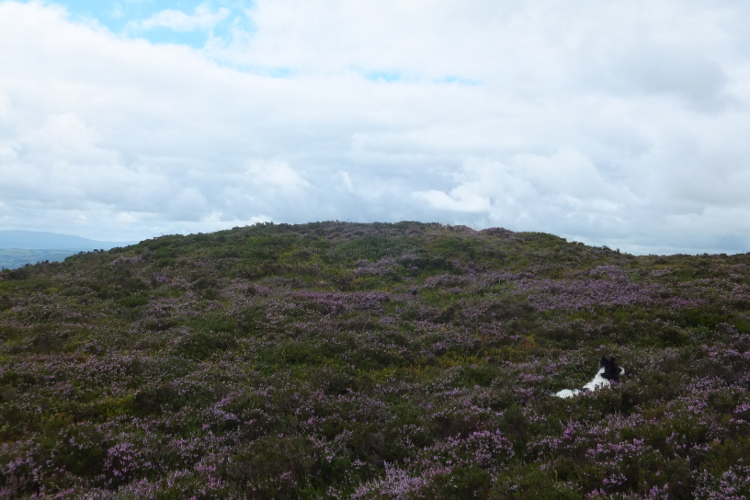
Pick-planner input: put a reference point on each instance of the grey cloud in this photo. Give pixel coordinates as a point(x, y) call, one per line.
point(699, 81)
point(564, 190)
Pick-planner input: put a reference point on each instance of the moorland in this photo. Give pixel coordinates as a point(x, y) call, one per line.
point(341, 360)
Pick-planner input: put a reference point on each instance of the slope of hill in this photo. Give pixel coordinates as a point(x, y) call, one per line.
point(408, 360)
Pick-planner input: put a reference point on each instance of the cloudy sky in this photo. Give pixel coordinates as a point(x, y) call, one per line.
point(618, 123)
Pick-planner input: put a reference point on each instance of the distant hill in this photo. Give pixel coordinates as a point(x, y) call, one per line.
point(53, 241)
point(11, 258)
point(29, 247)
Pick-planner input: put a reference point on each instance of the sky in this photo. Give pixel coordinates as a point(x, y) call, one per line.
point(618, 123)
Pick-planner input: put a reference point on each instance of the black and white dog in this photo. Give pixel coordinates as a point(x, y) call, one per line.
point(608, 371)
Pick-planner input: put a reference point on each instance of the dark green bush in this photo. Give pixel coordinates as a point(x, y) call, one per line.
point(201, 344)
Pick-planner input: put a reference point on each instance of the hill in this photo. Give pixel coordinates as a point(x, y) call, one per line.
point(12, 258)
point(18, 248)
point(35, 240)
point(408, 360)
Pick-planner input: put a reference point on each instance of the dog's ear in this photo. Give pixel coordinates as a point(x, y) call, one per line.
point(603, 362)
point(612, 361)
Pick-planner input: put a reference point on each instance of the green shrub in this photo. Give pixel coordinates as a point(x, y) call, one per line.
point(201, 345)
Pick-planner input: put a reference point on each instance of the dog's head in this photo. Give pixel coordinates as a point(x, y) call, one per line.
point(609, 369)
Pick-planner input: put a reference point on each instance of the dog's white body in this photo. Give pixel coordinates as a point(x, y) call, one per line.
point(597, 382)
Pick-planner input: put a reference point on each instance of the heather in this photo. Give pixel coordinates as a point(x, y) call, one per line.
point(337, 360)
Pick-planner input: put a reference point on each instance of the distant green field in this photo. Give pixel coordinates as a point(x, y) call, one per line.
point(12, 258)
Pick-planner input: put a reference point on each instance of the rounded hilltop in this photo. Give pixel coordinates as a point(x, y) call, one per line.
point(344, 360)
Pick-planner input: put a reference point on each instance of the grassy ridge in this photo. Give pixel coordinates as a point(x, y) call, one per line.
point(408, 360)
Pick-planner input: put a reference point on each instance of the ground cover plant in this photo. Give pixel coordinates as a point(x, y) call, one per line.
point(337, 360)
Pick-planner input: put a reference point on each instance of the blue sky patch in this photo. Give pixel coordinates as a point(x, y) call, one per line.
point(458, 80)
point(383, 76)
point(131, 17)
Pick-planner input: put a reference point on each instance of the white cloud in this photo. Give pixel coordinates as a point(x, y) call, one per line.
point(616, 124)
point(461, 199)
point(275, 174)
point(189, 205)
point(345, 180)
point(202, 19)
point(564, 191)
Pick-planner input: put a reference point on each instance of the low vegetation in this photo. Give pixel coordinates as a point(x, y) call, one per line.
point(365, 361)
